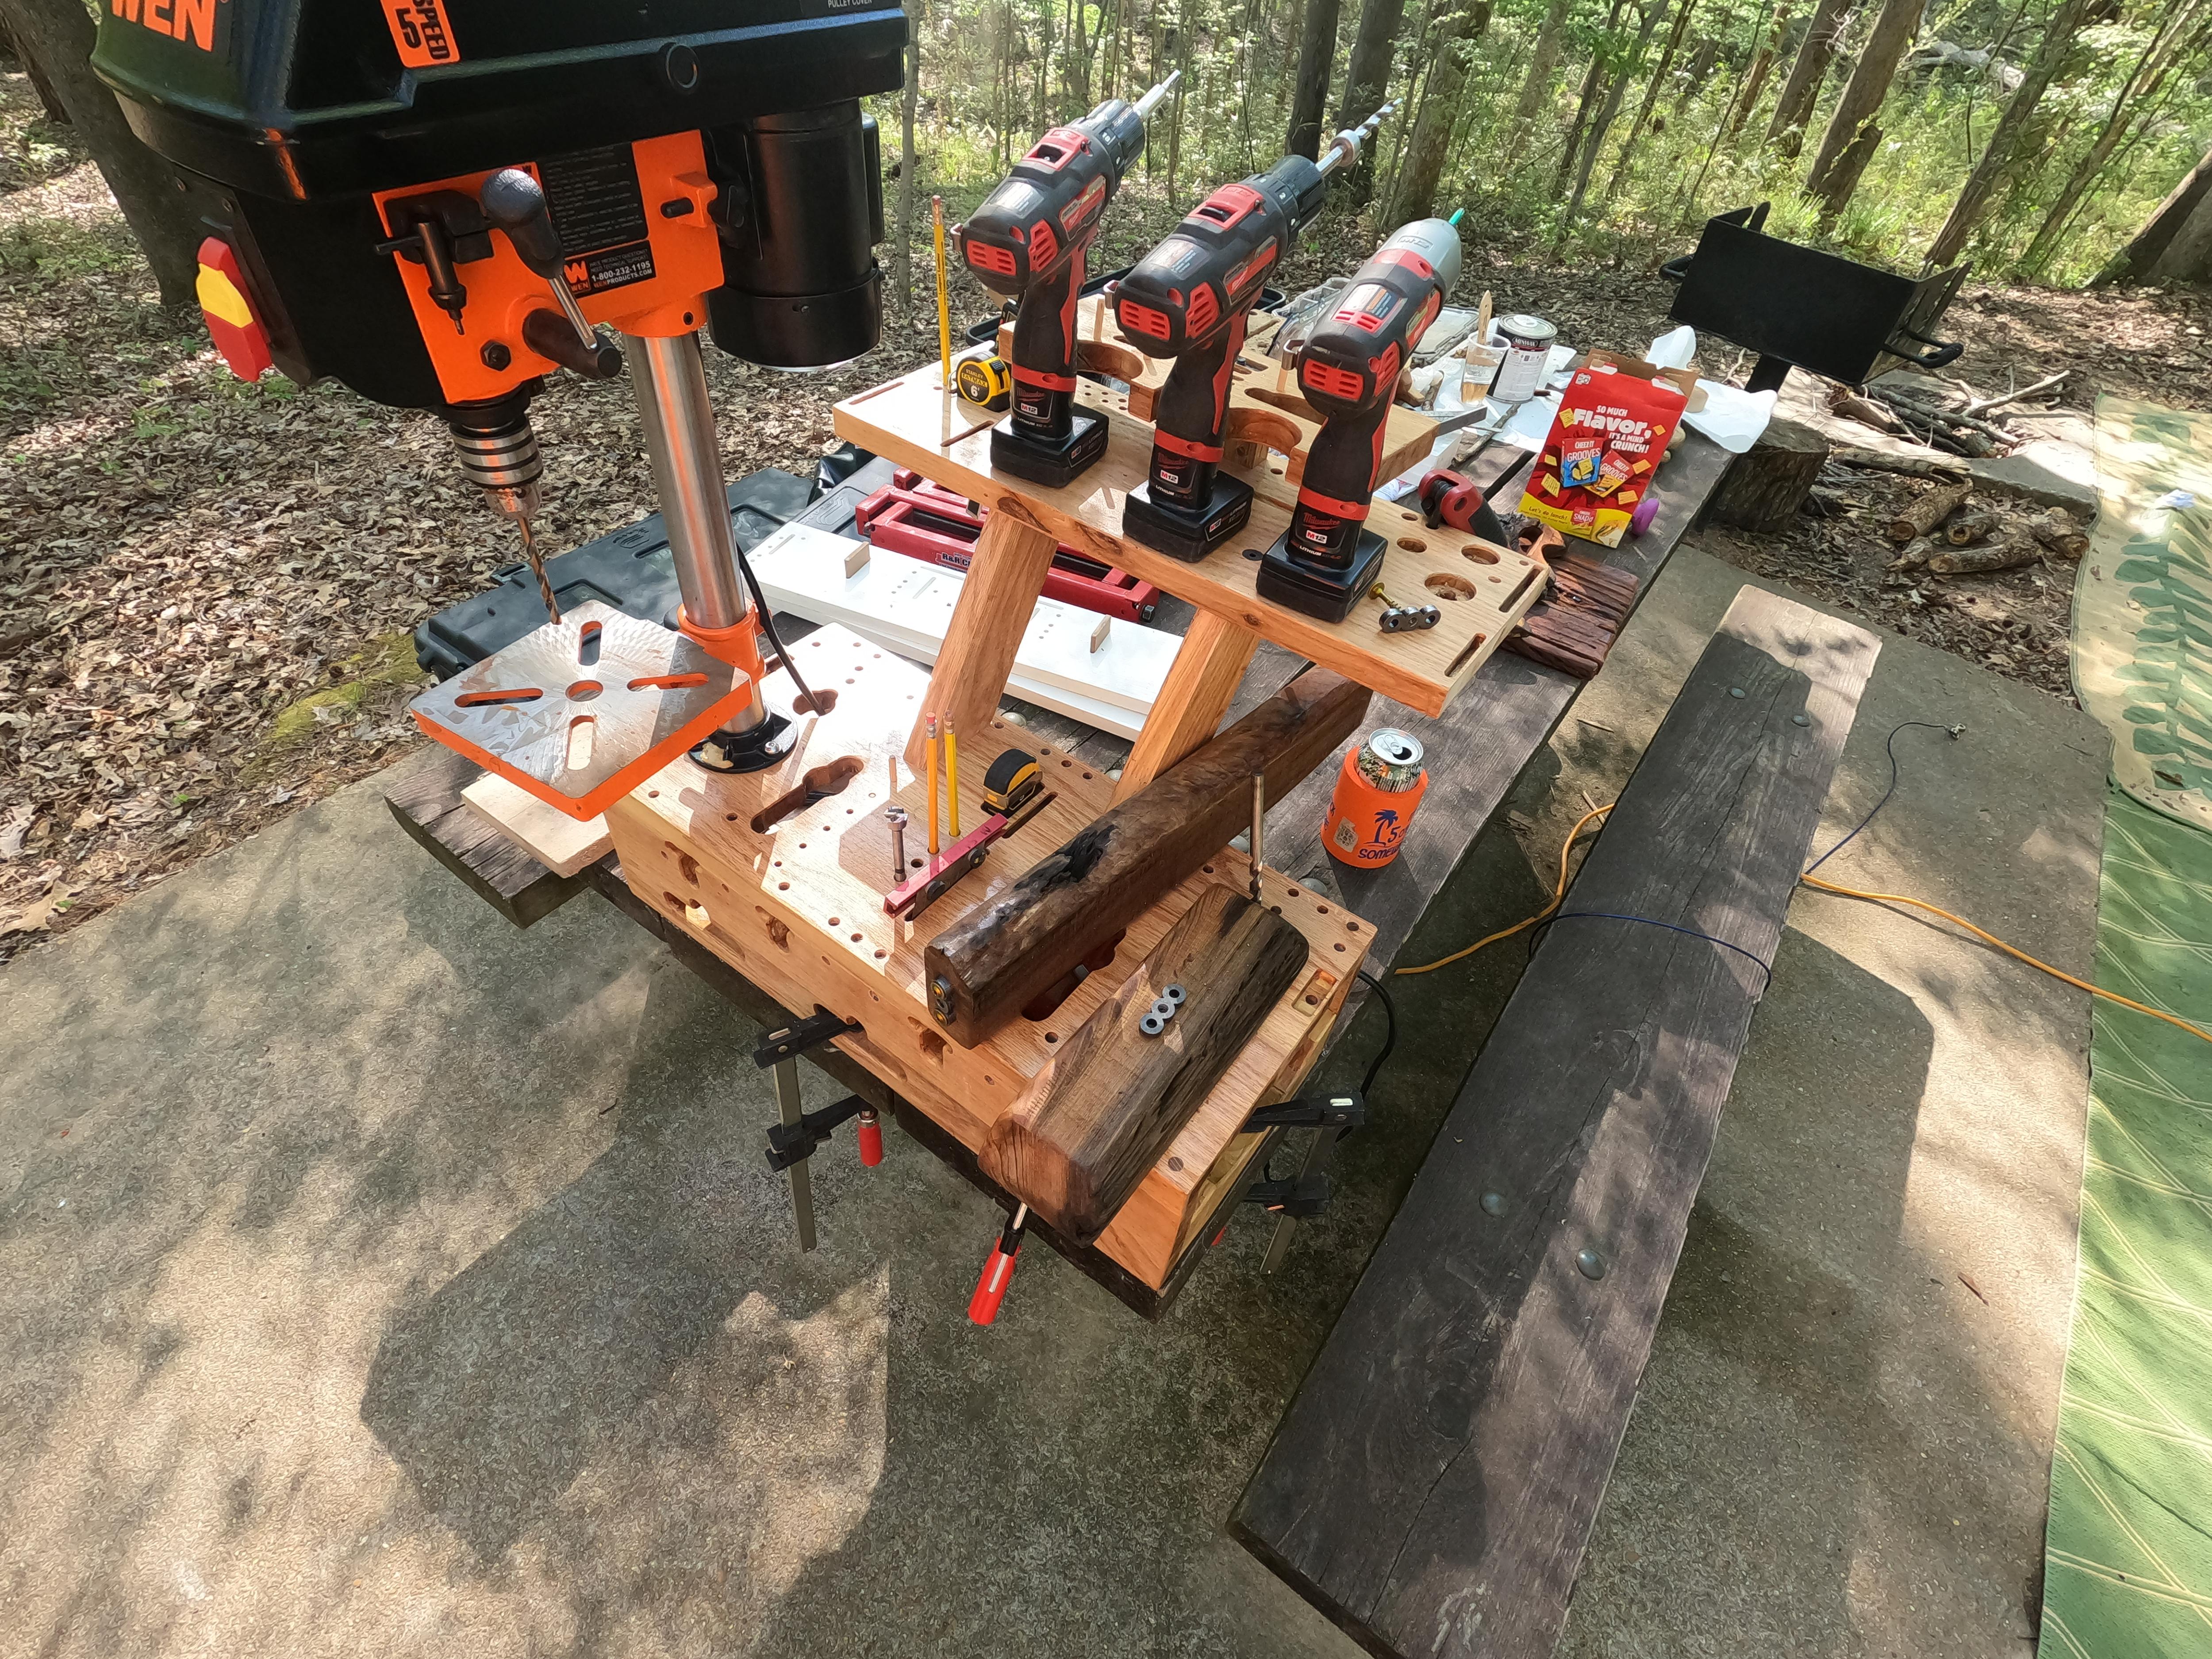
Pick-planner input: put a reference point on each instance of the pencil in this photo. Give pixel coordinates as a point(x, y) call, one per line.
point(944, 298)
point(952, 776)
point(931, 745)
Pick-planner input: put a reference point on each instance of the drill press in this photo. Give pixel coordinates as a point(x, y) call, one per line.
point(441, 203)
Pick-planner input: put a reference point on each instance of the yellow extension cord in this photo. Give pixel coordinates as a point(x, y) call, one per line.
point(1560, 894)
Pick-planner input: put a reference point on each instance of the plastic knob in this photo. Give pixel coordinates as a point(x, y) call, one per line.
point(514, 201)
point(871, 1140)
point(1640, 519)
point(552, 336)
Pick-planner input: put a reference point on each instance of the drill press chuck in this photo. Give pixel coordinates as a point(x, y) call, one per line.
point(1040, 460)
point(1316, 590)
point(498, 454)
point(1185, 533)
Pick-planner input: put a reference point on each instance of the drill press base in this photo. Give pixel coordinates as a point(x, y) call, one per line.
point(1329, 594)
point(1055, 465)
point(1187, 533)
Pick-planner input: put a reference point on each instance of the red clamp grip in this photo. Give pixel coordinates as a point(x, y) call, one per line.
point(871, 1132)
point(1451, 498)
point(998, 1271)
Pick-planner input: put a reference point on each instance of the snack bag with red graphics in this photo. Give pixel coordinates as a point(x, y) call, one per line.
point(1609, 436)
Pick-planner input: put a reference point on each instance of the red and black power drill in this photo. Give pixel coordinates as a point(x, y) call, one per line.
point(1348, 368)
point(1029, 238)
point(1190, 299)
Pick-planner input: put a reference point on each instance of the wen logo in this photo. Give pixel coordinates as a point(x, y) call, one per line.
point(193, 21)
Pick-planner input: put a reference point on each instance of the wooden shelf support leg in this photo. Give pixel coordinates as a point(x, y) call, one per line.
point(1201, 682)
point(1012, 556)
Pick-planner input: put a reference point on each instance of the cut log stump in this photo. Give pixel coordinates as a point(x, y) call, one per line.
point(1766, 484)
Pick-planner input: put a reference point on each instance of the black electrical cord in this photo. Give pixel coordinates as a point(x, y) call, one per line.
point(806, 704)
point(1888, 745)
point(1390, 1031)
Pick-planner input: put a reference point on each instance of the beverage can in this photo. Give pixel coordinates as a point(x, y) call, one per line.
point(1528, 342)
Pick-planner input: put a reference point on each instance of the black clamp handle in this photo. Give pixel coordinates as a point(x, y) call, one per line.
point(1345, 1108)
point(789, 1042)
point(1946, 351)
point(794, 1142)
point(1304, 1195)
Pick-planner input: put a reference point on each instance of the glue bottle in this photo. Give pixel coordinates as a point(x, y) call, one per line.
point(1381, 783)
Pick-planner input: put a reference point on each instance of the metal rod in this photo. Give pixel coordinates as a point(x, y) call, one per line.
point(785, 1072)
point(895, 817)
point(671, 381)
point(1151, 100)
point(1259, 825)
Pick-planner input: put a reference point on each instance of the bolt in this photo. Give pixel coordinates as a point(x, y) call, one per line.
point(1589, 1262)
point(495, 355)
point(895, 817)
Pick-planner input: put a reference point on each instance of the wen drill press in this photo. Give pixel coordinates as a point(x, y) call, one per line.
point(441, 203)
point(1191, 299)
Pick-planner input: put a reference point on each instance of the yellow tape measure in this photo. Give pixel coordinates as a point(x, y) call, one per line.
point(986, 380)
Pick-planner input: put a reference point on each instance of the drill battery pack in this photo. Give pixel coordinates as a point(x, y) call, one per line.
point(1187, 533)
point(1055, 466)
point(1315, 590)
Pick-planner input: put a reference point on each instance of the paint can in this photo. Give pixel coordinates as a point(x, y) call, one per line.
point(1377, 788)
point(1528, 341)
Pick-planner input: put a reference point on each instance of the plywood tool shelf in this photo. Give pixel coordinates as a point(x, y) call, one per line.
point(1482, 590)
point(781, 874)
point(1266, 412)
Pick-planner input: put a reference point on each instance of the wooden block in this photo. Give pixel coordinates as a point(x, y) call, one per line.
point(1434, 1481)
point(1199, 688)
point(796, 907)
point(1481, 590)
point(995, 960)
point(1105, 1107)
point(1099, 631)
point(856, 559)
point(1573, 626)
point(1011, 558)
point(562, 844)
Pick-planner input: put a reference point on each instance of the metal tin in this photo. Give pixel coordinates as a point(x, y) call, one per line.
point(1528, 342)
point(1390, 760)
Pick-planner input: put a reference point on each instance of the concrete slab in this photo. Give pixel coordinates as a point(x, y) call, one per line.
point(379, 1280)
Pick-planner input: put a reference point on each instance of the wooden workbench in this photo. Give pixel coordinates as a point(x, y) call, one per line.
point(1476, 749)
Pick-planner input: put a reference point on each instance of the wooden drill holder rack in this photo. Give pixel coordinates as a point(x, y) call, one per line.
point(782, 873)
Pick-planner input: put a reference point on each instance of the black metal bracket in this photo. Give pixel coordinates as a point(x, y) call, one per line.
point(1302, 1195)
point(788, 1041)
point(1343, 1108)
point(791, 1143)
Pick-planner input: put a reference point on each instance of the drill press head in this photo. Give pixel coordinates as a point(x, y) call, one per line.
point(354, 165)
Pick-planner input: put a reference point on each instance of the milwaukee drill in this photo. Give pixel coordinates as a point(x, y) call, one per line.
point(1190, 299)
point(1348, 368)
point(1029, 238)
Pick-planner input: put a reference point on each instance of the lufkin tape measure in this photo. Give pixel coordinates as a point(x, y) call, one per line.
point(1380, 784)
point(986, 380)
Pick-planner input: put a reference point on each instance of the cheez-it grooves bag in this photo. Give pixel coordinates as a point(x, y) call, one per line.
point(1606, 444)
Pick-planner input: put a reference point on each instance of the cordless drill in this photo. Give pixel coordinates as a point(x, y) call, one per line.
point(1190, 299)
point(1029, 237)
point(1348, 368)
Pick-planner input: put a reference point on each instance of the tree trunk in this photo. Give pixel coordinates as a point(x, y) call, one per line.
point(1809, 69)
point(1651, 88)
point(2149, 75)
point(2058, 44)
point(59, 35)
point(2176, 237)
point(1424, 164)
point(1367, 78)
point(49, 100)
point(1586, 100)
point(1765, 486)
point(1761, 67)
point(1652, 13)
point(906, 175)
point(1537, 87)
point(1309, 86)
point(1851, 136)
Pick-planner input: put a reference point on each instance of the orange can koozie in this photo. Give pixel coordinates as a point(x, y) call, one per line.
point(1381, 783)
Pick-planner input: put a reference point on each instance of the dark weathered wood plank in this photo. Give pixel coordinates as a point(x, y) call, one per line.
point(999, 955)
point(424, 794)
point(1107, 1104)
point(1435, 1479)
